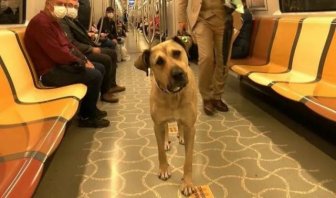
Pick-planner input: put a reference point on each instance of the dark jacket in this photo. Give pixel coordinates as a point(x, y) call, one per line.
point(8, 16)
point(84, 13)
point(109, 27)
point(241, 45)
point(77, 34)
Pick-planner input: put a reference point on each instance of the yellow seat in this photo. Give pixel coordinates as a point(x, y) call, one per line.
point(323, 86)
point(22, 78)
point(307, 54)
point(281, 50)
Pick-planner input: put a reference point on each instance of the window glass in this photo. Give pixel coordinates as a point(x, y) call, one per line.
point(12, 11)
point(307, 5)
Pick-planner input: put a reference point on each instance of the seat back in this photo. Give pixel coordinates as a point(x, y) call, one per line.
point(308, 51)
point(328, 72)
point(15, 62)
point(20, 33)
point(284, 40)
point(264, 38)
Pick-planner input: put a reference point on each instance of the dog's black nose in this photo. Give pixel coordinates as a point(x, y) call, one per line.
point(178, 74)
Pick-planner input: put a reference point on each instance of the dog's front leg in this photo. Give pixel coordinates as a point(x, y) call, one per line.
point(160, 139)
point(187, 187)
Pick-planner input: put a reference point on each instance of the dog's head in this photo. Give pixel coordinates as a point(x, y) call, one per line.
point(168, 62)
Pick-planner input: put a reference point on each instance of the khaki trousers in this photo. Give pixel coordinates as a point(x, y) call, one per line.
point(212, 72)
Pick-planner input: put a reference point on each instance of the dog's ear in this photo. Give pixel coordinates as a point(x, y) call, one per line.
point(142, 62)
point(179, 41)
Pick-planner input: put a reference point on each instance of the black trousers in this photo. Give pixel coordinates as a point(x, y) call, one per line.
point(108, 58)
point(92, 78)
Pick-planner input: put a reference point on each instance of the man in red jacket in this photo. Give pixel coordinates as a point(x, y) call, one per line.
point(51, 53)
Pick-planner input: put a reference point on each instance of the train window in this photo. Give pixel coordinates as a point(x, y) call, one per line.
point(12, 11)
point(307, 5)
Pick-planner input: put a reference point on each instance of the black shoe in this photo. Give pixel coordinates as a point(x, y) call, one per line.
point(100, 114)
point(208, 107)
point(220, 105)
point(93, 123)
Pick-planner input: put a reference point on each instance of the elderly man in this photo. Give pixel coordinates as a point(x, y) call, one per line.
point(207, 21)
point(59, 63)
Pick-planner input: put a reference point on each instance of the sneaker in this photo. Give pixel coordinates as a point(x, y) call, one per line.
point(93, 123)
point(116, 89)
point(100, 114)
point(220, 105)
point(109, 97)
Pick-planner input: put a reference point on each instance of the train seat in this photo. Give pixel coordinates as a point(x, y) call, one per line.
point(262, 35)
point(307, 55)
point(281, 51)
point(32, 120)
point(324, 106)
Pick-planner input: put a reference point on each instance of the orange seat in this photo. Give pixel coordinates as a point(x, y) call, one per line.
point(324, 106)
point(306, 60)
point(281, 49)
point(260, 44)
point(14, 176)
point(32, 120)
point(22, 74)
point(325, 83)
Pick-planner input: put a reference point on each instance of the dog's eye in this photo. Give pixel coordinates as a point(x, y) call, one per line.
point(160, 61)
point(176, 53)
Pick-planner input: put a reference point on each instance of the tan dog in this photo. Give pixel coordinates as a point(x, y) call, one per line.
point(173, 98)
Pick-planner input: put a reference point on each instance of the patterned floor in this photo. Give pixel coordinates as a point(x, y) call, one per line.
point(243, 153)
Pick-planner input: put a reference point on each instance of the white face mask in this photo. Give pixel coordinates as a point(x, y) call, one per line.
point(72, 12)
point(110, 15)
point(4, 4)
point(60, 11)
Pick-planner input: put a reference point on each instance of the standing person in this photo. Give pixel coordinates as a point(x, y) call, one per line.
point(51, 52)
point(206, 19)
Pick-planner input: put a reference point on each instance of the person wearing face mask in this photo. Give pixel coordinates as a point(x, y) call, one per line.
point(55, 60)
point(109, 25)
point(110, 29)
point(78, 35)
point(9, 12)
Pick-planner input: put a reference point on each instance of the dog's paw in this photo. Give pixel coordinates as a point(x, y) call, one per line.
point(164, 174)
point(187, 189)
point(167, 146)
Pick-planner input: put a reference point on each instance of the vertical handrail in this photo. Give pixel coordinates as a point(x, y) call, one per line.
point(91, 14)
point(104, 6)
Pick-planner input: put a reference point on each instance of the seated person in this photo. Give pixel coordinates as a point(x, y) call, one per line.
point(110, 28)
point(9, 12)
point(77, 34)
point(241, 45)
point(51, 51)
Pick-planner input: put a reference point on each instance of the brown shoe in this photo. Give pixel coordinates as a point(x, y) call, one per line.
point(116, 89)
point(109, 97)
point(208, 107)
point(220, 105)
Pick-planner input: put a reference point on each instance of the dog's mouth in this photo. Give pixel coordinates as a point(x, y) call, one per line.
point(176, 87)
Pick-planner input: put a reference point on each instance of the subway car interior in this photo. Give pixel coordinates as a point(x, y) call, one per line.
point(271, 132)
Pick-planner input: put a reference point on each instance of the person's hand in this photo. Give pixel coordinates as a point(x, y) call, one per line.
point(89, 64)
point(115, 41)
point(104, 35)
point(96, 50)
point(182, 27)
point(91, 35)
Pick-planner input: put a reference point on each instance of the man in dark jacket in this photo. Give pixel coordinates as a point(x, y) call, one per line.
point(78, 35)
point(109, 25)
